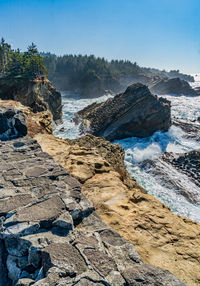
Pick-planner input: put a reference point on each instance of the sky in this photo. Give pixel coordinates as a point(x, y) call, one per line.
point(154, 33)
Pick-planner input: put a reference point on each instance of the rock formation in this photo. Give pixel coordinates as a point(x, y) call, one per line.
point(172, 86)
point(50, 233)
point(38, 94)
point(40, 122)
point(188, 163)
point(125, 116)
point(160, 237)
point(12, 123)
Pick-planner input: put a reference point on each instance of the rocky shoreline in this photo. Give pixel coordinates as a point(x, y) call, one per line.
point(50, 233)
point(81, 219)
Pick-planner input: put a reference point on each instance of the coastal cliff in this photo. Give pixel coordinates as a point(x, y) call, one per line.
point(38, 94)
point(42, 200)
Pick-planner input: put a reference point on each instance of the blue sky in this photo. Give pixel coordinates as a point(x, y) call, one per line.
point(156, 33)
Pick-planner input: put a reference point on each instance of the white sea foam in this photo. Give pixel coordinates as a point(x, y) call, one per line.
point(138, 150)
point(71, 105)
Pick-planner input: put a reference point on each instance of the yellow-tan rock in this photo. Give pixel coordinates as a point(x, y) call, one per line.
point(161, 237)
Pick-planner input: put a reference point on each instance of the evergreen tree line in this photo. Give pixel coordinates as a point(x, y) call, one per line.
point(79, 72)
point(15, 63)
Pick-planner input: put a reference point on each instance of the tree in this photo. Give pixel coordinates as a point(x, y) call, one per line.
point(14, 63)
point(5, 53)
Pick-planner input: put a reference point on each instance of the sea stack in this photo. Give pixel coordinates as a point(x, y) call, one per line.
point(134, 113)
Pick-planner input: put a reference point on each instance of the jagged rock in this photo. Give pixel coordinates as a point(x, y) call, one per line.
point(43, 243)
point(160, 237)
point(12, 123)
point(172, 86)
point(64, 259)
point(25, 282)
point(151, 276)
point(187, 163)
point(136, 112)
point(40, 122)
point(38, 94)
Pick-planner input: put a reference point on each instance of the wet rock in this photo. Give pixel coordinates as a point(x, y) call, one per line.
point(187, 163)
point(12, 123)
point(136, 112)
point(25, 282)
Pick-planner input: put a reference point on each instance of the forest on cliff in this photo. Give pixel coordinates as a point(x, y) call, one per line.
point(83, 73)
point(16, 63)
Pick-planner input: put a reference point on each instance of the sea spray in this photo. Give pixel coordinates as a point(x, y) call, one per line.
point(167, 184)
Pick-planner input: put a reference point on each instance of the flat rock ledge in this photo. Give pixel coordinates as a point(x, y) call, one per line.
point(50, 233)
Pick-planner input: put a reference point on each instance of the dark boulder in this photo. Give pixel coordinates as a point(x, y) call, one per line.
point(136, 112)
point(12, 123)
point(172, 86)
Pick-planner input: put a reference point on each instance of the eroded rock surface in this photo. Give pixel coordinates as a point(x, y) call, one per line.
point(50, 233)
point(38, 94)
point(160, 237)
point(136, 112)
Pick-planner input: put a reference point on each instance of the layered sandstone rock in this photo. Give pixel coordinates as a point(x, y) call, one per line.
point(38, 94)
point(161, 237)
point(172, 86)
point(136, 112)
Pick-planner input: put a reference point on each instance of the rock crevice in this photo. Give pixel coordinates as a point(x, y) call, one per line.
point(50, 233)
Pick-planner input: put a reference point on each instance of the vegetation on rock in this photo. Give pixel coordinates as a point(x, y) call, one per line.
point(14, 63)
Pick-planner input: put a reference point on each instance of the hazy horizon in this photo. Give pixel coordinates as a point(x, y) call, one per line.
point(156, 34)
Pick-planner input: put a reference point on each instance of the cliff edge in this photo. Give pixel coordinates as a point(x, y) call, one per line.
point(50, 233)
point(38, 94)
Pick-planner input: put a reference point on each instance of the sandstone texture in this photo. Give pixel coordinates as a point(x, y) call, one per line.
point(172, 86)
point(50, 233)
point(38, 94)
point(125, 116)
point(161, 238)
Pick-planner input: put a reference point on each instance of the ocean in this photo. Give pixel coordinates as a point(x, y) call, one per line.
point(143, 157)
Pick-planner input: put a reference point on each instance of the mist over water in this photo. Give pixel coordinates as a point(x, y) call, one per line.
point(142, 156)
